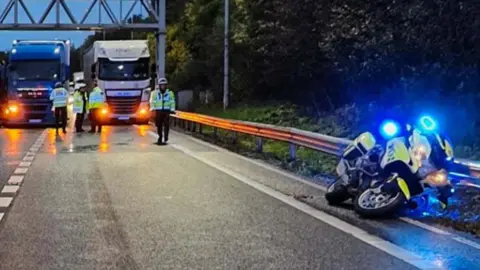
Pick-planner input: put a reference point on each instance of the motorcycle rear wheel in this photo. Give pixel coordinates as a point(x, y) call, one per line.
point(372, 202)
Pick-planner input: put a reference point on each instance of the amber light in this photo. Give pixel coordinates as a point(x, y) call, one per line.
point(438, 178)
point(104, 111)
point(12, 109)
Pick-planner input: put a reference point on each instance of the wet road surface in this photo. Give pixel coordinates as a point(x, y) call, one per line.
point(14, 144)
point(117, 201)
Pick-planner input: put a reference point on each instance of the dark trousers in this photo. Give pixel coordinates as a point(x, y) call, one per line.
point(162, 121)
point(61, 118)
point(95, 120)
point(79, 121)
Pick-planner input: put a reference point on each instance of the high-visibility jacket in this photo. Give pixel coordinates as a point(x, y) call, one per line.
point(78, 102)
point(162, 102)
point(59, 96)
point(96, 99)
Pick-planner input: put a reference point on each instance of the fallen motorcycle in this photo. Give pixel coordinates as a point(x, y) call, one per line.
point(383, 176)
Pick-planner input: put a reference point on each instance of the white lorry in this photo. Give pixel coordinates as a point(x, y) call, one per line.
point(121, 68)
point(78, 80)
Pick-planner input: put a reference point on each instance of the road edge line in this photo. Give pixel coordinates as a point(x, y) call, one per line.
point(374, 241)
point(422, 225)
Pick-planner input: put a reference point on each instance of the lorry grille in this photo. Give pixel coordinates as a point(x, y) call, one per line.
point(36, 108)
point(123, 105)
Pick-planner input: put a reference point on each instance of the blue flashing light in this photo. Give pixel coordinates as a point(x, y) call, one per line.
point(428, 123)
point(452, 190)
point(389, 129)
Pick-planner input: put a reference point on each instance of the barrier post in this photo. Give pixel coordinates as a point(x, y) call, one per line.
point(194, 127)
point(259, 144)
point(200, 128)
point(215, 133)
point(292, 150)
point(235, 136)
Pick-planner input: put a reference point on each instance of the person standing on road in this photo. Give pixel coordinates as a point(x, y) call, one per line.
point(162, 101)
point(59, 96)
point(79, 108)
point(96, 103)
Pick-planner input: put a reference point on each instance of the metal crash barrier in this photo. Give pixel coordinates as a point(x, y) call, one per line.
point(295, 137)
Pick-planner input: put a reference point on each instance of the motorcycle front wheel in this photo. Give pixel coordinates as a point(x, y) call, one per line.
point(373, 202)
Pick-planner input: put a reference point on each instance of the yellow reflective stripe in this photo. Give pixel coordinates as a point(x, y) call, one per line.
point(403, 187)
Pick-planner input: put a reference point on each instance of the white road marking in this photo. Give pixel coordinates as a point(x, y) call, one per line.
point(29, 158)
point(422, 225)
point(13, 184)
point(25, 164)
point(358, 233)
point(258, 163)
point(10, 189)
point(20, 171)
point(15, 180)
point(5, 201)
point(434, 229)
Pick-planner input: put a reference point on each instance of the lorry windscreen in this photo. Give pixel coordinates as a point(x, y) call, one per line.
point(114, 70)
point(35, 70)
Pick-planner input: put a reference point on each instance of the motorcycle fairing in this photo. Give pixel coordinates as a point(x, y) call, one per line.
point(396, 151)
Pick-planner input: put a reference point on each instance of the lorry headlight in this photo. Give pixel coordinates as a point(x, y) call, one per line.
point(11, 109)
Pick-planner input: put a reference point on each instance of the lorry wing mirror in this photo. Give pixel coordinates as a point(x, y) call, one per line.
point(92, 68)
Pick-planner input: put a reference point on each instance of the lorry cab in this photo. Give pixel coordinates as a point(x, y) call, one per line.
point(34, 68)
point(122, 69)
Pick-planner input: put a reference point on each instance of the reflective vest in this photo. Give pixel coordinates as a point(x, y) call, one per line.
point(59, 97)
point(164, 102)
point(77, 102)
point(96, 99)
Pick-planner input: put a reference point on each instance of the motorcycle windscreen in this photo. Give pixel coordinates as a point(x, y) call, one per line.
point(360, 146)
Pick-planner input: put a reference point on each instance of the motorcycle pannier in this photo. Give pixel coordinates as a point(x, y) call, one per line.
point(360, 146)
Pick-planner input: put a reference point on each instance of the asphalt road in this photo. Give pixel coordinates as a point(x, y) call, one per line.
point(117, 201)
point(14, 144)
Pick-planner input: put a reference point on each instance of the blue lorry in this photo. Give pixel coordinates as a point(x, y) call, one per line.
point(32, 69)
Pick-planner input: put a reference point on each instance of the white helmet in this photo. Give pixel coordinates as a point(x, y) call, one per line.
point(162, 81)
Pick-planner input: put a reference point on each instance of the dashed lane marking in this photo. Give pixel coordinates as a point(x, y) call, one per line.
point(20, 171)
point(25, 164)
point(29, 158)
point(14, 182)
point(10, 189)
point(347, 228)
point(5, 202)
